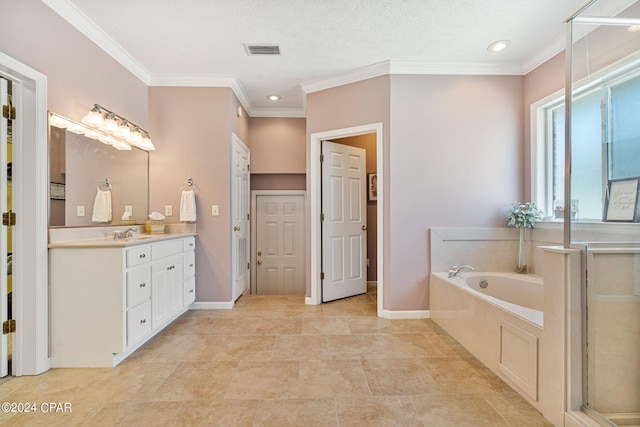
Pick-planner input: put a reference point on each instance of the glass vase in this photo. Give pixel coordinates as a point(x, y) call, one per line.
point(522, 259)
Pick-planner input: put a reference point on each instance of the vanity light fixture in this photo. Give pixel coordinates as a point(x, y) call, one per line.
point(499, 46)
point(107, 122)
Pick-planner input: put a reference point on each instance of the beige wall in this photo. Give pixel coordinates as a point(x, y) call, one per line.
point(78, 72)
point(456, 160)
point(193, 128)
point(277, 145)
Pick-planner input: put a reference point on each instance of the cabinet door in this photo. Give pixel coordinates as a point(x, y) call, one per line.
point(167, 291)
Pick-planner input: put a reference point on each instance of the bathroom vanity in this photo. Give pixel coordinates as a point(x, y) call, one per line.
point(108, 297)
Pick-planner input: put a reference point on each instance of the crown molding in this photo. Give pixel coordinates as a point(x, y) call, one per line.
point(352, 76)
point(279, 112)
point(89, 29)
point(546, 53)
point(454, 68)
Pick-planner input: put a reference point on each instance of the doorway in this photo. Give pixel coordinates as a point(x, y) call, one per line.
point(278, 249)
point(315, 204)
point(240, 237)
point(29, 185)
point(6, 239)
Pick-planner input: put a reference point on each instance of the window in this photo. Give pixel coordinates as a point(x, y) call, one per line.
point(606, 145)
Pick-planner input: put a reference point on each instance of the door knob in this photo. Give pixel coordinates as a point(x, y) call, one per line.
point(236, 228)
point(364, 227)
point(259, 262)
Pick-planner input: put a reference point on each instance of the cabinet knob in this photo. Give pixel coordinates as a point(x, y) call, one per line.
point(142, 285)
point(143, 321)
point(191, 290)
point(143, 255)
point(190, 265)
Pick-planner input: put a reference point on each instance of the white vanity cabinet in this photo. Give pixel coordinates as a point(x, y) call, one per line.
point(106, 301)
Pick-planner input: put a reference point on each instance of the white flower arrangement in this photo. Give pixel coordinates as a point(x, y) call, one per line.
point(523, 215)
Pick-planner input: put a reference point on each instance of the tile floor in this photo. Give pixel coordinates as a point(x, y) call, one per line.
point(273, 361)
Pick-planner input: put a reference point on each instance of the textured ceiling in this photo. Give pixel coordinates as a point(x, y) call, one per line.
point(178, 41)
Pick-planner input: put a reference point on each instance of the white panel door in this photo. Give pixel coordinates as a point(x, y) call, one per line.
point(239, 217)
point(280, 244)
point(344, 236)
point(4, 194)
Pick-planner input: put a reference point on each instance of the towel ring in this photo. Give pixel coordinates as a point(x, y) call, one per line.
point(106, 184)
point(188, 183)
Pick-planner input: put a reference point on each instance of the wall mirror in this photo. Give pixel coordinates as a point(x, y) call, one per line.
point(79, 166)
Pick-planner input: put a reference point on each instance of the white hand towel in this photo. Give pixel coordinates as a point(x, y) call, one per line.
point(188, 206)
point(102, 207)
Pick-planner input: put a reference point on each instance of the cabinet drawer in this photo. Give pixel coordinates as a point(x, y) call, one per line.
point(165, 249)
point(189, 264)
point(189, 291)
point(138, 255)
point(188, 244)
point(138, 285)
point(138, 322)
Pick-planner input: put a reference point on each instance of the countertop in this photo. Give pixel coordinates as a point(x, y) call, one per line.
point(110, 242)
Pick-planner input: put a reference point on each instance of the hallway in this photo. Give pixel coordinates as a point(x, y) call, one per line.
point(274, 361)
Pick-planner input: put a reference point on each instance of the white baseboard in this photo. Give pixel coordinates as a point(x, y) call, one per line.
point(211, 306)
point(310, 301)
point(406, 314)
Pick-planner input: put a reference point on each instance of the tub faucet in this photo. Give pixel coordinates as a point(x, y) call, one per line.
point(455, 270)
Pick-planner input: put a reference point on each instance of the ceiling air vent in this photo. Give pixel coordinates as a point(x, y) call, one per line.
point(262, 49)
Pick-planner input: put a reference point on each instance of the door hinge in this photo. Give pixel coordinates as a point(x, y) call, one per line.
point(9, 218)
point(248, 217)
point(321, 158)
point(9, 111)
point(248, 167)
point(322, 276)
point(8, 326)
point(321, 217)
point(248, 266)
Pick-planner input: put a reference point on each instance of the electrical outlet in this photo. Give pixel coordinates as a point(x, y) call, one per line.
point(215, 210)
point(128, 209)
point(79, 210)
point(168, 210)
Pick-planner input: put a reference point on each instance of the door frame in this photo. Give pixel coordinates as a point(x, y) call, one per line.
point(315, 205)
point(254, 219)
point(30, 345)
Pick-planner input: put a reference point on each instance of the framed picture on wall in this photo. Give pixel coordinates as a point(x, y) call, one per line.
point(373, 186)
point(621, 200)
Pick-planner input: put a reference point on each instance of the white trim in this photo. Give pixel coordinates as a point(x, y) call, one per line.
point(314, 205)
point(278, 112)
point(81, 22)
point(235, 139)
point(352, 76)
point(254, 218)
point(30, 202)
point(546, 53)
point(201, 305)
point(406, 314)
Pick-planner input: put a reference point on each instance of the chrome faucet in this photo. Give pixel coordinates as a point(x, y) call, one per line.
point(126, 234)
point(455, 270)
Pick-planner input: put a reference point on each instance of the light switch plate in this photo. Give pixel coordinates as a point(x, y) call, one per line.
point(79, 210)
point(168, 210)
point(215, 210)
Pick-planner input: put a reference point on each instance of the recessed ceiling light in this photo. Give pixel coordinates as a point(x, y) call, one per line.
point(499, 46)
point(274, 97)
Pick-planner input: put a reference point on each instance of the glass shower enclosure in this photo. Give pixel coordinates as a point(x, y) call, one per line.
point(602, 175)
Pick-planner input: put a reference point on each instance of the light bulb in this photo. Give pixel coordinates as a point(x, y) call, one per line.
point(110, 124)
point(93, 118)
point(123, 130)
point(135, 137)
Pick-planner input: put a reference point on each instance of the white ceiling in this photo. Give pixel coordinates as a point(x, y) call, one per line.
point(323, 42)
